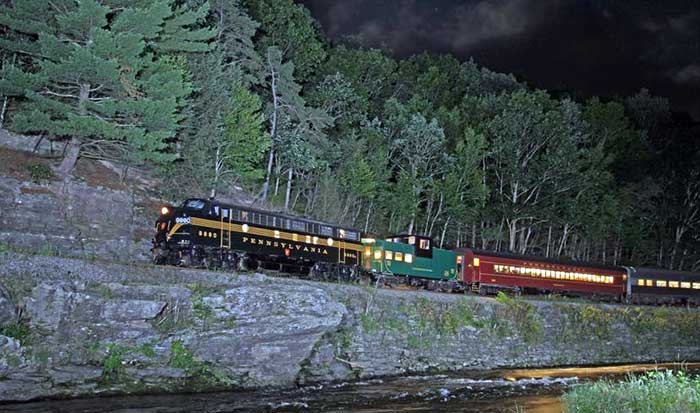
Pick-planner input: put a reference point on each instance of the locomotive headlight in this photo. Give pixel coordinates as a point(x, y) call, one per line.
point(330, 242)
point(164, 211)
point(245, 227)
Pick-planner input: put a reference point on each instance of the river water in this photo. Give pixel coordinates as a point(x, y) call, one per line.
point(502, 391)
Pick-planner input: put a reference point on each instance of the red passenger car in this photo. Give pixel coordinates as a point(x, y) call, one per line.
point(489, 272)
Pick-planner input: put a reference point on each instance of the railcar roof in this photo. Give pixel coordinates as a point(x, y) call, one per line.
point(543, 259)
point(668, 273)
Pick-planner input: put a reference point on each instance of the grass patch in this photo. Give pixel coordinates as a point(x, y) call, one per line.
point(653, 392)
point(113, 364)
point(589, 319)
point(201, 376)
point(521, 315)
point(20, 331)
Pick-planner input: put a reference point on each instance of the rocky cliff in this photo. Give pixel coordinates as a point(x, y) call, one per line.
point(74, 327)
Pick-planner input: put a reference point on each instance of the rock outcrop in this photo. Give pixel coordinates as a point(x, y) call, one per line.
point(75, 327)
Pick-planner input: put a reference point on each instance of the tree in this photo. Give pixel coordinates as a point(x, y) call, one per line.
point(483, 82)
point(219, 79)
point(104, 77)
point(244, 143)
point(370, 71)
point(535, 159)
point(419, 155)
point(290, 28)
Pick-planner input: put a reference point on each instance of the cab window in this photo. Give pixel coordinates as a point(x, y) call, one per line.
point(196, 204)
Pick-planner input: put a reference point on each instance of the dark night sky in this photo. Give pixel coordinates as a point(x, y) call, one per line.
point(593, 47)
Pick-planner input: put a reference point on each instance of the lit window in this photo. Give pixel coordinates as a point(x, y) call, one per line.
point(295, 237)
point(341, 232)
point(424, 244)
point(696, 286)
point(315, 240)
point(476, 262)
point(368, 251)
point(377, 254)
point(408, 258)
point(650, 283)
point(308, 239)
point(277, 234)
point(388, 255)
point(660, 283)
point(459, 259)
point(412, 240)
point(398, 256)
point(673, 284)
point(685, 285)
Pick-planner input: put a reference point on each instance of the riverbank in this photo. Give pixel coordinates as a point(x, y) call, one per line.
point(493, 391)
point(81, 328)
point(654, 392)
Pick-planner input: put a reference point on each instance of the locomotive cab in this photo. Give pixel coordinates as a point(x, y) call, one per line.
point(172, 226)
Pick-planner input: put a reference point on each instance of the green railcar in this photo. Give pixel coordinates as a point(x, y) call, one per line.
point(411, 256)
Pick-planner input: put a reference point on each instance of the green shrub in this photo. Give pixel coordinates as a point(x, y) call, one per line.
point(40, 173)
point(20, 331)
point(181, 357)
point(653, 392)
point(113, 365)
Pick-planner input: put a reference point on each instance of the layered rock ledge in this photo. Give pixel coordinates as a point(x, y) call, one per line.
point(71, 327)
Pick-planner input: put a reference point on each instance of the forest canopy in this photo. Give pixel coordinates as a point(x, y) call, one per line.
point(216, 93)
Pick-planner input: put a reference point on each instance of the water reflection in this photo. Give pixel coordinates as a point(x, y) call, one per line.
point(496, 391)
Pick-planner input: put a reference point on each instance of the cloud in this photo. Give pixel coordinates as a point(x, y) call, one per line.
point(689, 74)
point(402, 25)
point(494, 19)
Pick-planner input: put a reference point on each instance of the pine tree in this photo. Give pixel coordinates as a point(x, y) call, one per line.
point(105, 76)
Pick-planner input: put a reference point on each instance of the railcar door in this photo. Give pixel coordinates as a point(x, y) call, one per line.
point(225, 228)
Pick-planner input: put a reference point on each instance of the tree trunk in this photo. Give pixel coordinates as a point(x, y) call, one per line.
point(70, 158)
point(444, 231)
point(512, 234)
point(273, 128)
point(217, 173)
point(288, 193)
point(564, 236)
point(369, 213)
point(73, 150)
point(413, 221)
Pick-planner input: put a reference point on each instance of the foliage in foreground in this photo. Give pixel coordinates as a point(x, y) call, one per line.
point(654, 392)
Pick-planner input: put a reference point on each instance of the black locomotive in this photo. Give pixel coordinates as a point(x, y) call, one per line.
point(211, 234)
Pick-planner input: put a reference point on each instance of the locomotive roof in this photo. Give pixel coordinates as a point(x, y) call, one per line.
point(543, 259)
point(280, 214)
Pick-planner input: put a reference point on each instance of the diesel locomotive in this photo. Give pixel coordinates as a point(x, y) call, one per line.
point(212, 234)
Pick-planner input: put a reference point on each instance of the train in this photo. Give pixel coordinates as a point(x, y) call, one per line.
point(212, 234)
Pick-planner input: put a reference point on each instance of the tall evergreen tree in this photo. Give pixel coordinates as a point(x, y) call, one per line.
point(103, 75)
